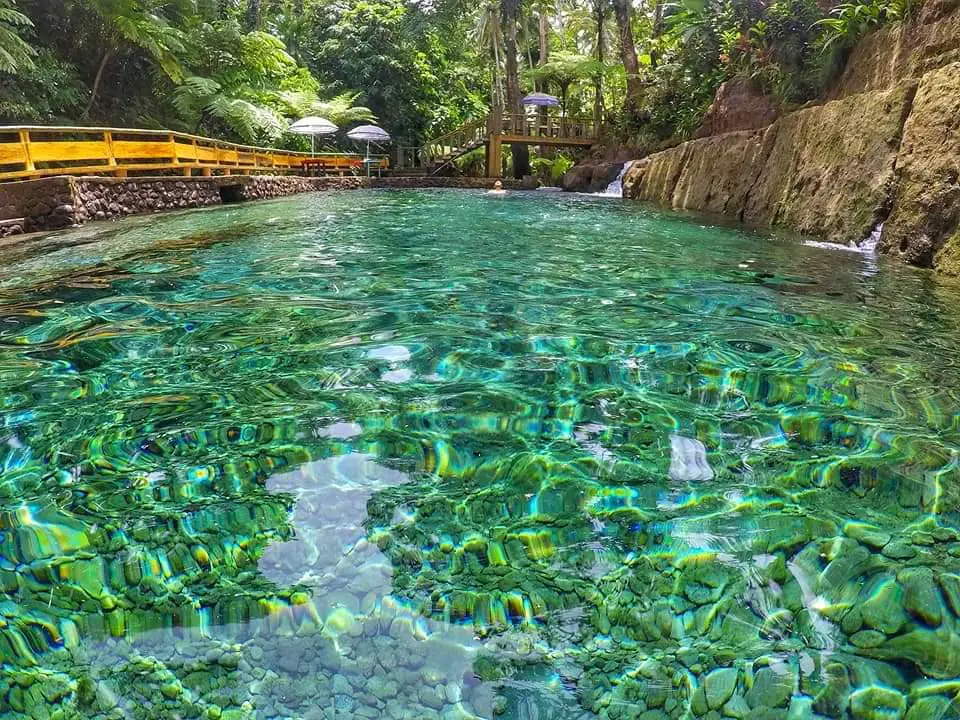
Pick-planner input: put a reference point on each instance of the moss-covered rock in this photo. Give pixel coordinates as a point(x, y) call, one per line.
point(926, 205)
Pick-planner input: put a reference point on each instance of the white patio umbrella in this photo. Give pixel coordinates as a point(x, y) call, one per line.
point(313, 126)
point(369, 133)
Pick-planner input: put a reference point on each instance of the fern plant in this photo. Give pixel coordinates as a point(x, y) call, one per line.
point(853, 20)
point(199, 97)
point(16, 54)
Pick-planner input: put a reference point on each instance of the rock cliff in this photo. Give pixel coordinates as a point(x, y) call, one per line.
point(884, 148)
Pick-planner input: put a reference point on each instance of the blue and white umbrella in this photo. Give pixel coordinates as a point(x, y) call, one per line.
point(541, 100)
point(369, 134)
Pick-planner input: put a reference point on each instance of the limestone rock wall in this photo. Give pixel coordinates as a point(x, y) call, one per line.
point(739, 105)
point(707, 175)
point(886, 149)
point(926, 205)
point(830, 168)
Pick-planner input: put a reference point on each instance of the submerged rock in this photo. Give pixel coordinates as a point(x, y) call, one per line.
point(934, 652)
point(877, 703)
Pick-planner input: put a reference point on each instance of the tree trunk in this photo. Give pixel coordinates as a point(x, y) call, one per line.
point(95, 91)
point(252, 19)
point(510, 16)
point(657, 32)
point(542, 116)
point(628, 54)
point(598, 82)
point(544, 36)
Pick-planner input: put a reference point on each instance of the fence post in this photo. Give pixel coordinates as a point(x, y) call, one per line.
point(108, 140)
point(25, 143)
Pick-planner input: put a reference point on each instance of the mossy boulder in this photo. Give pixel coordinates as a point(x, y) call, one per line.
point(926, 206)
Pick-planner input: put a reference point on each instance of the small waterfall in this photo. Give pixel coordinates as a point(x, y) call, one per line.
point(869, 246)
point(866, 247)
point(615, 189)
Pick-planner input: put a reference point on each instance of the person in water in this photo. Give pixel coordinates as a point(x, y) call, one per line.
point(497, 189)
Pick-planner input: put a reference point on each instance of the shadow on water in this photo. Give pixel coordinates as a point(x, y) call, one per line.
point(334, 457)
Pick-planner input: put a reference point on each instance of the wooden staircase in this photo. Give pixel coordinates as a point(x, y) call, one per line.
point(436, 155)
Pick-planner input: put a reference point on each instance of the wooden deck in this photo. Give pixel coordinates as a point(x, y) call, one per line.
point(39, 151)
point(491, 133)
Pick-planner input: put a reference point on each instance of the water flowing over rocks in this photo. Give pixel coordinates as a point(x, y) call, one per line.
point(591, 177)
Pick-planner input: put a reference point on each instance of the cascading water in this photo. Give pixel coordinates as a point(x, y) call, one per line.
point(866, 247)
point(615, 189)
point(869, 246)
point(869, 249)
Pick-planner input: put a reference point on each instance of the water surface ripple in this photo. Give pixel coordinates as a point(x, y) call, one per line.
point(442, 454)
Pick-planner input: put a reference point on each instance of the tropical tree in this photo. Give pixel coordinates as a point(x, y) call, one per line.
point(565, 69)
point(15, 53)
point(139, 24)
point(628, 55)
point(510, 19)
point(487, 34)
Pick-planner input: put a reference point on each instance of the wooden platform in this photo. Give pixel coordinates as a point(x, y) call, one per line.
point(39, 151)
point(491, 133)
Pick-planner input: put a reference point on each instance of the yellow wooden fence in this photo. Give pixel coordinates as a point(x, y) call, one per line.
point(37, 151)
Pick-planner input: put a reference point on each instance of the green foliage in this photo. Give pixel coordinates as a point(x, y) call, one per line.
point(15, 54)
point(143, 25)
point(850, 21)
point(244, 69)
point(564, 69)
point(550, 170)
point(49, 91)
point(401, 67)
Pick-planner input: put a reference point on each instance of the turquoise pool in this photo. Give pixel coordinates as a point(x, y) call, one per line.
point(437, 454)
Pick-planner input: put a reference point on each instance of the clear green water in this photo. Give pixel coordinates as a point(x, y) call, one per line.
point(439, 454)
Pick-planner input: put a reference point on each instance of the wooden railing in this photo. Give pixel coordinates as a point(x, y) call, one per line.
point(469, 135)
point(37, 151)
point(573, 130)
point(559, 128)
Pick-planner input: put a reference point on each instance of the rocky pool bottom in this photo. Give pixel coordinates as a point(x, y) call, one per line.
point(440, 454)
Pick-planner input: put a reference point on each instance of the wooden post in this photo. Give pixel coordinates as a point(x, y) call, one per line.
point(206, 172)
point(25, 142)
point(111, 158)
point(494, 156)
point(173, 148)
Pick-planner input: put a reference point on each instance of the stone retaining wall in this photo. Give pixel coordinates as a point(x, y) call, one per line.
point(59, 202)
point(44, 204)
point(105, 198)
point(261, 187)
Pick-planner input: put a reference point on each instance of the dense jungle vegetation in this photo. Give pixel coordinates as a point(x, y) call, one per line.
point(243, 69)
